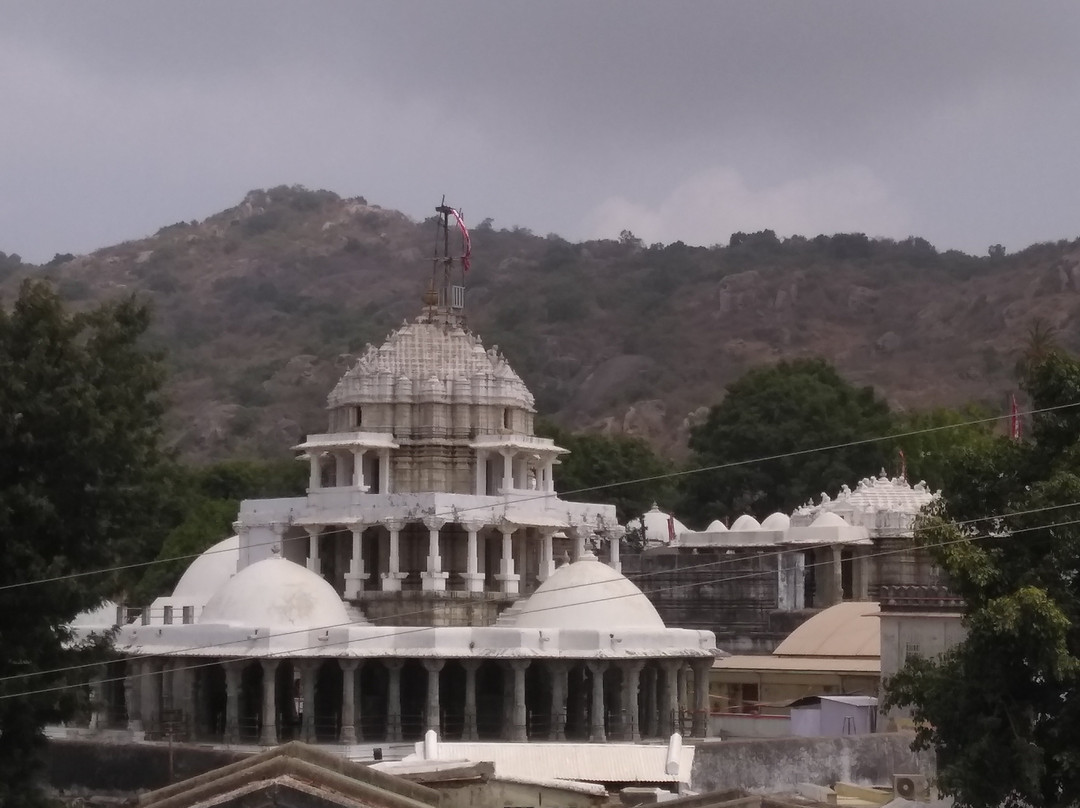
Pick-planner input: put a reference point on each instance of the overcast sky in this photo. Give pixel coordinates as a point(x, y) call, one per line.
point(955, 121)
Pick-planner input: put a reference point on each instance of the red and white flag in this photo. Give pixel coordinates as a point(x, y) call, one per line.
point(671, 529)
point(1014, 420)
point(466, 242)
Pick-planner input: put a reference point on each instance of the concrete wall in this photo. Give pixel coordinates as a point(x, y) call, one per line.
point(737, 725)
point(775, 765)
point(126, 768)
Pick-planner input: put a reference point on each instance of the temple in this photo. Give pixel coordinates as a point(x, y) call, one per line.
point(431, 578)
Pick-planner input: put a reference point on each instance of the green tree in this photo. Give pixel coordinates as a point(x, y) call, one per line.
point(1001, 708)
point(597, 461)
point(932, 454)
point(788, 407)
point(80, 413)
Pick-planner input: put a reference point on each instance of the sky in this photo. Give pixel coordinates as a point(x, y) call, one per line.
point(953, 121)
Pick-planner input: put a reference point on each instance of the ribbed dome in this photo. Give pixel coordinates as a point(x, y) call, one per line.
point(275, 593)
point(588, 595)
point(209, 572)
point(435, 359)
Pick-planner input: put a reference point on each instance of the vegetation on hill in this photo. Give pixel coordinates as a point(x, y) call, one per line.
point(263, 306)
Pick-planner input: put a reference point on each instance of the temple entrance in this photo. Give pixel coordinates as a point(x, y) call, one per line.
point(328, 682)
point(490, 684)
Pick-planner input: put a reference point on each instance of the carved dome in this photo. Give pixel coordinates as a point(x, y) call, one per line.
point(276, 593)
point(588, 595)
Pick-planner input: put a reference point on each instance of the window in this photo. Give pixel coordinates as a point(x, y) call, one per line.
point(357, 416)
point(506, 417)
point(911, 649)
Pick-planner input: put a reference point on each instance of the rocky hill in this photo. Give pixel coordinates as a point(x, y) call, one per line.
point(261, 307)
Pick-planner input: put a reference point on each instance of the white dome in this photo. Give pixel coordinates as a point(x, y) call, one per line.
point(208, 573)
point(588, 595)
point(745, 522)
point(659, 526)
point(776, 521)
point(276, 593)
point(829, 519)
point(716, 526)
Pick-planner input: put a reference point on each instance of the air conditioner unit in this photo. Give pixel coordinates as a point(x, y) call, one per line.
point(911, 787)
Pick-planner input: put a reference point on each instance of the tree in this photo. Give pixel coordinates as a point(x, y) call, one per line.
point(789, 407)
point(597, 461)
point(1001, 708)
point(80, 411)
point(931, 455)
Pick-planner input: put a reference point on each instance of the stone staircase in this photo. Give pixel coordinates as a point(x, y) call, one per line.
point(509, 615)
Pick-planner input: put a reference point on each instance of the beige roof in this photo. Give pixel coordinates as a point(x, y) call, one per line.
point(844, 630)
point(799, 664)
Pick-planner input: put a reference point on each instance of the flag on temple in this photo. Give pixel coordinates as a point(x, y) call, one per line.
point(466, 241)
point(1014, 420)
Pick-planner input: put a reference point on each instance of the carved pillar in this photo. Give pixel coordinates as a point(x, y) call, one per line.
point(701, 667)
point(392, 578)
point(315, 472)
point(518, 728)
point(433, 719)
point(384, 471)
point(313, 548)
point(308, 670)
point(481, 473)
point(631, 684)
point(434, 579)
point(269, 737)
point(474, 580)
point(613, 553)
point(348, 700)
point(233, 671)
point(358, 469)
point(507, 577)
point(469, 733)
point(559, 671)
point(393, 700)
point(547, 555)
point(508, 471)
point(836, 582)
point(596, 708)
point(354, 578)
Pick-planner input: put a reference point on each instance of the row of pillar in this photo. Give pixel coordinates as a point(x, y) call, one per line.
point(172, 682)
point(342, 463)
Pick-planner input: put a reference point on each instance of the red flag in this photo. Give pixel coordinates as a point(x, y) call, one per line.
point(671, 529)
point(466, 242)
point(903, 464)
point(1014, 420)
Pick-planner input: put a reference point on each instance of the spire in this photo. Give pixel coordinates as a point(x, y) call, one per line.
point(444, 299)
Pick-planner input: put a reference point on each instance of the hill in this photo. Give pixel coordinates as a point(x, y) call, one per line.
point(263, 306)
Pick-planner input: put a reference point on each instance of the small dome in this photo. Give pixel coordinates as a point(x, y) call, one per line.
point(850, 629)
point(208, 573)
point(745, 522)
point(588, 595)
point(776, 521)
point(716, 526)
point(829, 519)
point(276, 593)
point(659, 526)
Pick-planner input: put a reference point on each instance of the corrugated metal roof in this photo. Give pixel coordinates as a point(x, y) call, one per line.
point(592, 763)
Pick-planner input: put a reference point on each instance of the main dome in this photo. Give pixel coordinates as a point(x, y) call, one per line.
point(276, 593)
point(208, 572)
point(421, 353)
point(588, 595)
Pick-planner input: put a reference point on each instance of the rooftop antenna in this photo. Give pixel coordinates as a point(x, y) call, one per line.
point(444, 300)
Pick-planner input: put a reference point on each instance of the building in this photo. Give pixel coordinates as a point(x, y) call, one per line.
point(416, 585)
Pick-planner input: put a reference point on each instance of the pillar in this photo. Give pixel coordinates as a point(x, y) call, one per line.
point(151, 697)
point(314, 472)
point(507, 577)
point(559, 671)
point(702, 668)
point(384, 471)
point(313, 548)
point(518, 718)
point(358, 470)
point(232, 702)
point(433, 579)
point(99, 707)
point(836, 580)
point(631, 684)
point(649, 725)
point(547, 555)
point(393, 699)
point(861, 571)
point(596, 708)
point(681, 681)
point(579, 543)
point(308, 670)
point(391, 579)
point(341, 470)
point(474, 580)
point(508, 471)
point(613, 553)
point(433, 718)
point(268, 736)
point(132, 695)
point(354, 578)
point(469, 733)
point(481, 473)
point(348, 700)
point(669, 717)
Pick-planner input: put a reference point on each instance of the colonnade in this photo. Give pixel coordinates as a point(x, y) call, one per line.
point(327, 700)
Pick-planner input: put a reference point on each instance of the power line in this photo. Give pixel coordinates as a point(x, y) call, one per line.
point(515, 499)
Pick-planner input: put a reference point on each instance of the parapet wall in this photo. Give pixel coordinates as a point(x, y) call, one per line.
point(772, 765)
